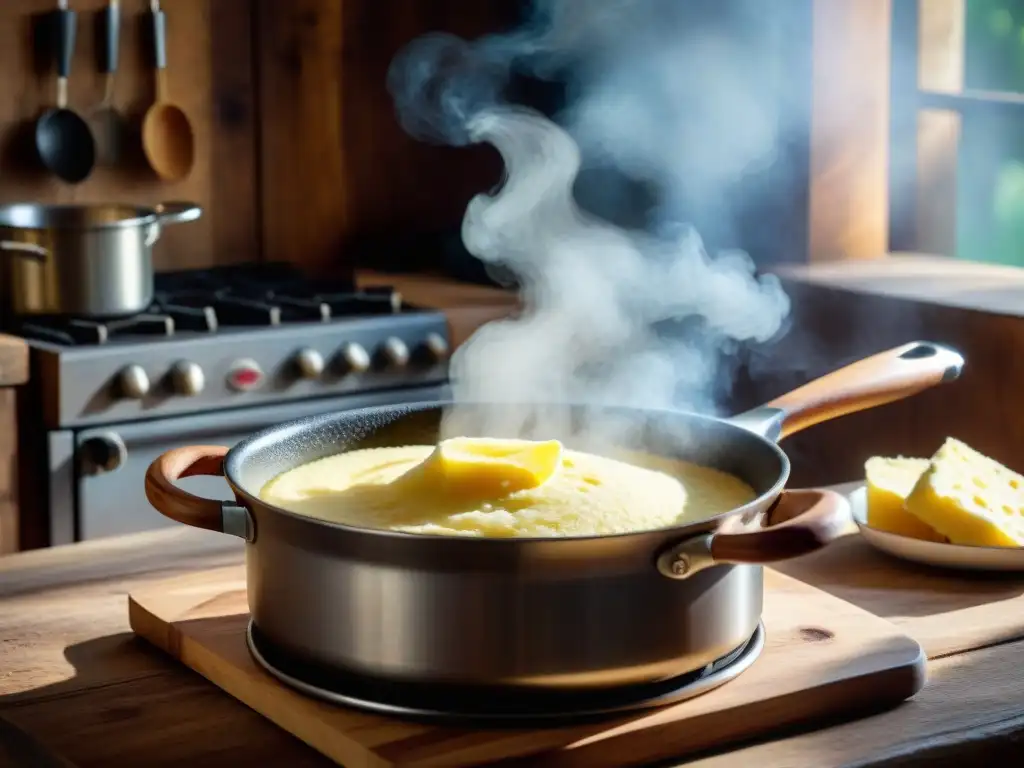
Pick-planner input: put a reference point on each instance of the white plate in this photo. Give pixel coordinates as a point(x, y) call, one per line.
point(959, 556)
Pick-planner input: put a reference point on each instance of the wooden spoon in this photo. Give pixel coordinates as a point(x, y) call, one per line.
point(167, 137)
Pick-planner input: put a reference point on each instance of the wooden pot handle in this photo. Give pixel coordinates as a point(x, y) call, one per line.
point(873, 381)
point(180, 505)
point(801, 522)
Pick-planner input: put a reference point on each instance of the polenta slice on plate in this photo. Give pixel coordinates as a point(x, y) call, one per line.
point(959, 496)
point(889, 482)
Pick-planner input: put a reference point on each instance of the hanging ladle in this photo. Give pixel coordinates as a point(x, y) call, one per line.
point(167, 137)
point(63, 139)
point(108, 125)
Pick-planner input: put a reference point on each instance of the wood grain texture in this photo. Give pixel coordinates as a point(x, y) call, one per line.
point(75, 678)
point(850, 129)
point(13, 371)
point(845, 311)
point(337, 170)
point(941, 56)
point(837, 660)
point(209, 76)
point(13, 361)
point(945, 611)
point(9, 528)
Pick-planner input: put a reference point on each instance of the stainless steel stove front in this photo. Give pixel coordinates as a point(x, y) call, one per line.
point(95, 484)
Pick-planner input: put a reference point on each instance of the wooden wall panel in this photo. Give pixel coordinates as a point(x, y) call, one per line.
point(209, 75)
point(850, 129)
point(942, 51)
point(336, 168)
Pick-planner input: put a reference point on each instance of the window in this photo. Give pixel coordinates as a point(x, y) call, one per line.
point(957, 128)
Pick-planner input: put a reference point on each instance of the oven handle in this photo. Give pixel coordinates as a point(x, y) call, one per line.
point(187, 508)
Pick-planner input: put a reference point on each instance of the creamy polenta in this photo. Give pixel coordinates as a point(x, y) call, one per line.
point(503, 488)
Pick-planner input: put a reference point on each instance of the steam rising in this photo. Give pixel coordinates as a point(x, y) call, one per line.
point(602, 305)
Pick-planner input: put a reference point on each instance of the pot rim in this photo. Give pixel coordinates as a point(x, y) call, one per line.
point(135, 216)
point(762, 502)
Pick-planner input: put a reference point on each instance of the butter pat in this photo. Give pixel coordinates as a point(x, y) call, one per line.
point(889, 482)
point(970, 498)
point(490, 467)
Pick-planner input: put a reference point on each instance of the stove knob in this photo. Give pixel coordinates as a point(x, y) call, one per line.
point(356, 357)
point(103, 453)
point(395, 352)
point(245, 375)
point(187, 378)
point(436, 346)
point(133, 382)
point(310, 363)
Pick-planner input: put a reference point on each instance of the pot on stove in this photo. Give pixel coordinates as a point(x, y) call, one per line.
point(91, 260)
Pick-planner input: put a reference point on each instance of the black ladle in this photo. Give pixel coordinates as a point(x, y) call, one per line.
point(63, 139)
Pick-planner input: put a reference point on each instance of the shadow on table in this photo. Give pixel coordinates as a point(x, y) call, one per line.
point(856, 572)
point(127, 704)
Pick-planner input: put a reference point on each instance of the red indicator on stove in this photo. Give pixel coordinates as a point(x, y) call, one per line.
point(245, 375)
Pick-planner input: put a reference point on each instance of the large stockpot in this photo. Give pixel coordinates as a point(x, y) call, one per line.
point(81, 260)
point(553, 613)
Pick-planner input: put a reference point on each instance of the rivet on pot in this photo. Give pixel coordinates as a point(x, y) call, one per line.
point(681, 565)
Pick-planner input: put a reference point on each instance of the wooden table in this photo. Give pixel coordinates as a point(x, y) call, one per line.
point(13, 372)
point(13, 361)
point(72, 674)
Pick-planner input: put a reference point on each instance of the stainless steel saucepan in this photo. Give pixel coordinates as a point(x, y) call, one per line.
point(81, 260)
point(531, 614)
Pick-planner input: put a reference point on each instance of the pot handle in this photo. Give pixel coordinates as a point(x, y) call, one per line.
point(27, 250)
point(184, 507)
point(171, 213)
point(883, 378)
point(799, 523)
point(176, 212)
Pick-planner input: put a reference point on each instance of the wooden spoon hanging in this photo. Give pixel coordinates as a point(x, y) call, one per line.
point(167, 136)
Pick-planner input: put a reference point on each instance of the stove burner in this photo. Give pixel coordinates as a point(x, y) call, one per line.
point(207, 300)
point(271, 294)
point(487, 706)
point(79, 331)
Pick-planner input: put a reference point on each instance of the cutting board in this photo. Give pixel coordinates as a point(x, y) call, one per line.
point(823, 658)
point(946, 611)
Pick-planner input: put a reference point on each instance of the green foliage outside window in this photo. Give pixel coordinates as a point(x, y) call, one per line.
point(990, 172)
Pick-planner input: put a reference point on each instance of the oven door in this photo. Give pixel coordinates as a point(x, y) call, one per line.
point(111, 461)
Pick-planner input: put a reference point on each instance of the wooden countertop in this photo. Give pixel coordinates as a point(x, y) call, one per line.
point(466, 305)
point(13, 361)
point(72, 674)
point(922, 278)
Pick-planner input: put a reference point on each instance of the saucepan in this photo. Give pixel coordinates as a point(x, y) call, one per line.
point(531, 615)
point(92, 260)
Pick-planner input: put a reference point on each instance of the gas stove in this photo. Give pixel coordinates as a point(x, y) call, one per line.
point(219, 354)
point(231, 337)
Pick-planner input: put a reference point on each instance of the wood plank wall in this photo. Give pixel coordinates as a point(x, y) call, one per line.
point(298, 151)
point(851, 214)
point(209, 75)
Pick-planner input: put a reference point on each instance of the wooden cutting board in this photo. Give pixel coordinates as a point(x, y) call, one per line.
point(823, 657)
point(947, 612)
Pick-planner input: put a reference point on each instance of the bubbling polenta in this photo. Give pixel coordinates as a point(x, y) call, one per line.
point(503, 488)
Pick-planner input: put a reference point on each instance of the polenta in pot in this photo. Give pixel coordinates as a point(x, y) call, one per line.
point(503, 488)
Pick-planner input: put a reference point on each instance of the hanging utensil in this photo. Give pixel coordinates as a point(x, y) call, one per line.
point(108, 125)
point(63, 139)
point(167, 136)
